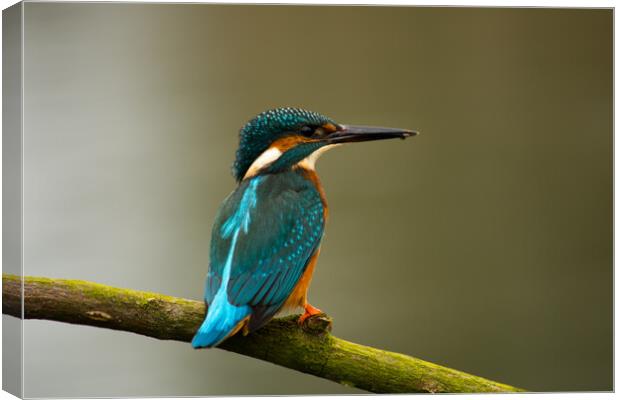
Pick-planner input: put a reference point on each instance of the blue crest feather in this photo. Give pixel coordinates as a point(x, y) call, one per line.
point(256, 136)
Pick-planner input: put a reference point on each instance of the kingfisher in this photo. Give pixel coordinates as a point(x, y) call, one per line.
point(267, 233)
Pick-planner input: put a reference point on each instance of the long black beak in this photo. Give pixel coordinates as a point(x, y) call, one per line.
point(359, 133)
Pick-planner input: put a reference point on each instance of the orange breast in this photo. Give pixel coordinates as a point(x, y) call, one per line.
point(314, 178)
point(299, 296)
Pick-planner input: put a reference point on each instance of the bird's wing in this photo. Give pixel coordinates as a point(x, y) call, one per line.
point(266, 231)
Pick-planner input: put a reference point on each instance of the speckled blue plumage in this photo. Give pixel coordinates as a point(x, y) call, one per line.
point(256, 136)
point(265, 233)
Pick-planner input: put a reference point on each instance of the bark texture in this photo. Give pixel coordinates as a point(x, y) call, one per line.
point(310, 349)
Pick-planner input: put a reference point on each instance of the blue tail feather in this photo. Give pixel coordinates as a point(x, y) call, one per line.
point(222, 318)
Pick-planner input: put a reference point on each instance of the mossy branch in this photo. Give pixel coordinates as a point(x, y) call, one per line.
point(311, 350)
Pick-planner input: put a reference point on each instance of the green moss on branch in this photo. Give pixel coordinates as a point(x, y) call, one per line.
point(312, 350)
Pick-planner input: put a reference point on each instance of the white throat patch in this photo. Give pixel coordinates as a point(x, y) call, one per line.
point(270, 155)
point(310, 161)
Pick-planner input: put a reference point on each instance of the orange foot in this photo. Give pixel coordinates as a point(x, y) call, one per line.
point(310, 311)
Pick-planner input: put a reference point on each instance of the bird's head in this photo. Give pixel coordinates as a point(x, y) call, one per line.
point(284, 137)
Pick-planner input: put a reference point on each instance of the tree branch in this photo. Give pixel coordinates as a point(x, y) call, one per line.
point(311, 350)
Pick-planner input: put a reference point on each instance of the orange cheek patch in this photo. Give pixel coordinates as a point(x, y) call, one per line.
point(288, 142)
point(329, 128)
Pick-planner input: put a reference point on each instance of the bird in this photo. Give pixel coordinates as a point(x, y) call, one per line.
point(266, 236)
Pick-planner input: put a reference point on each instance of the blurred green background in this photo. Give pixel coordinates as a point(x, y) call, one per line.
point(484, 244)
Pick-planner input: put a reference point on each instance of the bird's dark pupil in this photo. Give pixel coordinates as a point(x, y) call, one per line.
point(306, 130)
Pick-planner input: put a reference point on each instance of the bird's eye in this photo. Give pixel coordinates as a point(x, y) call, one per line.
point(306, 131)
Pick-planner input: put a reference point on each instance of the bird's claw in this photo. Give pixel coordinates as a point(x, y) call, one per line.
point(317, 324)
point(315, 321)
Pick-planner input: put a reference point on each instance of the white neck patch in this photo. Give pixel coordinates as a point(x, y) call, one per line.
point(268, 157)
point(310, 161)
point(273, 153)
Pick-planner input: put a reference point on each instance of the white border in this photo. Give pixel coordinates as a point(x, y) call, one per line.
point(504, 3)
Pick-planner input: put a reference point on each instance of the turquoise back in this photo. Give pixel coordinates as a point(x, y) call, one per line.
point(265, 233)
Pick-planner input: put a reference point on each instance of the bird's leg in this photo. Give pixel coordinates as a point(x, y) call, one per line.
point(309, 312)
point(314, 321)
